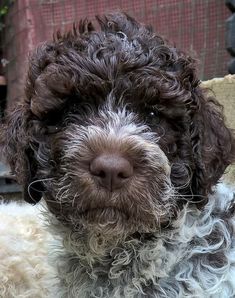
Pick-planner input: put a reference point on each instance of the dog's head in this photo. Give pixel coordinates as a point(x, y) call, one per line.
point(115, 130)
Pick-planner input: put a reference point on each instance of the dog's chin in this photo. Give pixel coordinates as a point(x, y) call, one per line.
point(104, 216)
point(108, 221)
point(111, 221)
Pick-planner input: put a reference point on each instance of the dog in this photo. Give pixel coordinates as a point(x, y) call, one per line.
point(126, 149)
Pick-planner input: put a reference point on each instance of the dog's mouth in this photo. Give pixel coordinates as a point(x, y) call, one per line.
point(104, 215)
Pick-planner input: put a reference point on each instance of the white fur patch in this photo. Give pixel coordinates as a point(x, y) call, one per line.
point(24, 269)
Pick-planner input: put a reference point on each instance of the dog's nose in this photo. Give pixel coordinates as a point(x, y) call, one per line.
point(111, 170)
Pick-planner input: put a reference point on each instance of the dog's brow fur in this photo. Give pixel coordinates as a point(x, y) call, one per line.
point(124, 91)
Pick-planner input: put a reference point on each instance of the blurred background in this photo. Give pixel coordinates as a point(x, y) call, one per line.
point(203, 28)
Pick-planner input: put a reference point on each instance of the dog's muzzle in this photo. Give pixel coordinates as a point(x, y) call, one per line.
point(114, 168)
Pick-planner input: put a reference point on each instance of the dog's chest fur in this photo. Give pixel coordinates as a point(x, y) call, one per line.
point(194, 259)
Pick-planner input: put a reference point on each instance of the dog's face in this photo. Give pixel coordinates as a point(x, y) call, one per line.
point(115, 130)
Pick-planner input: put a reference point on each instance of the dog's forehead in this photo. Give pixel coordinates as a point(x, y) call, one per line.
point(137, 67)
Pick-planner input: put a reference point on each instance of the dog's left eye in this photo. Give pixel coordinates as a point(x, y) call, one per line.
point(52, 129)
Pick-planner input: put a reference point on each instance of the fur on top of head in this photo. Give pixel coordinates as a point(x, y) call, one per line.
point(121, 93)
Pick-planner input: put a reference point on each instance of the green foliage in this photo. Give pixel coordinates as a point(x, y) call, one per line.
point(4, 8)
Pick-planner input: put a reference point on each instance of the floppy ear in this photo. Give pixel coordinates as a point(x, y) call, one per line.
point(15, 149)
point(15, 137)
point(212, 142)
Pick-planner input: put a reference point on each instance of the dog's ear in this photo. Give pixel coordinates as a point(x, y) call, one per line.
point(212, 142)
point(17, 146)
point(16, 151)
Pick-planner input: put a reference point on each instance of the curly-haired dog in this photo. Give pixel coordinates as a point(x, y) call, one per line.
point(126, 149)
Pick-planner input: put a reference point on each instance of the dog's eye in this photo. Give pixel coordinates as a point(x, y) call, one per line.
point(153, 117)
point(52, 129)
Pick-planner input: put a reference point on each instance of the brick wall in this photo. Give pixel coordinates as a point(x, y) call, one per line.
point(197, 26)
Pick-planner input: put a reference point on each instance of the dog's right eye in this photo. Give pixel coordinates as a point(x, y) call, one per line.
point(152, 117)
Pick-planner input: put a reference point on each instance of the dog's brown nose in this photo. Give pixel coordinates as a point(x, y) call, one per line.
point(111, 170)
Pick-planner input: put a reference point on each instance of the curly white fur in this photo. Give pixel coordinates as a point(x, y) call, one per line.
point(24, 269)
